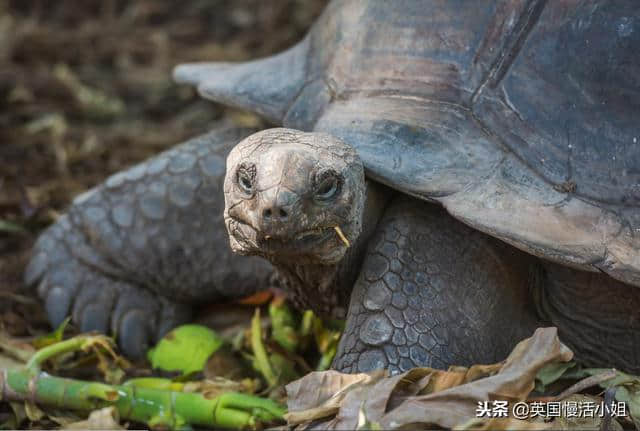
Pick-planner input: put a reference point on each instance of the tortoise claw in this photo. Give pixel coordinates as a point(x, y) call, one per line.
point(135, 334)
point(97, 301)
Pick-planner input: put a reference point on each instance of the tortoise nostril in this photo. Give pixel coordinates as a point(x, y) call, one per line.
point(277, 213)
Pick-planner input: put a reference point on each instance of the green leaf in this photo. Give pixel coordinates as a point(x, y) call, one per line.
point(261, 359)
point(52, 337)
point(550, 373)
point(185, 349)
point(285, 368)
point(327, 343)
point(283, 325)
point(631, 396)
point(628, 390)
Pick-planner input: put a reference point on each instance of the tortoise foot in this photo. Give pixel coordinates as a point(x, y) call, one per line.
point(98, 301)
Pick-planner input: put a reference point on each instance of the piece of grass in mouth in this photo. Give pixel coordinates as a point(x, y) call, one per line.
point(342, 236)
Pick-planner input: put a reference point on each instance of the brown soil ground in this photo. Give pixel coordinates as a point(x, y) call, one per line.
point(85, 91)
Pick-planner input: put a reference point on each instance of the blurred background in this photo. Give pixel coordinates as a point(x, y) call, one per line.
point(86, 90)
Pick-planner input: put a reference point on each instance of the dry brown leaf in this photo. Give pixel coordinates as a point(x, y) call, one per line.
point(7, 363)
point(320, 393)
point(18, 350)
point(371, 399)
point(34, 413)
point(514, 381)
point(456, 375)
point(63, 418)
point(103, 419)
point(424, 395)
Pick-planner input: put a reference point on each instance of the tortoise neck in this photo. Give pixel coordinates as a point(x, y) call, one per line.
point(320, 288)
point(326, 289)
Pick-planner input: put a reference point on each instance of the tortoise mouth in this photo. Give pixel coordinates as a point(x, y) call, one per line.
point(302, 240)
point(314, 241)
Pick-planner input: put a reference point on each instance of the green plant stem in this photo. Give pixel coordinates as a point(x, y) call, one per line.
point(259, 351)
point(327, 358)
point(306, 327)
point(283, 326)
point(155, 407)
point(175, 410)
point(70, 345)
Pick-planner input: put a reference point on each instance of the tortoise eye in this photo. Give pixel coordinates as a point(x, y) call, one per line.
point(328, 185)
point(245, 176)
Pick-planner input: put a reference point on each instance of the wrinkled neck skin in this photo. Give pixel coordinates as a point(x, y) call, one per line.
point(326, 289)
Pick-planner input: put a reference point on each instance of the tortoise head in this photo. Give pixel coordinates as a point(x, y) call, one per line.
point(292, 196)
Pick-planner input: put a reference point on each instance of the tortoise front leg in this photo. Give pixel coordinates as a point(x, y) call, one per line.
point(98, 301)
point(434, 292)
point(132, 254)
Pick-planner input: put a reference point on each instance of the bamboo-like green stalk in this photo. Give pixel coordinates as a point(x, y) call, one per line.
point(259, 351)
point(155, 407)
point(283, 325)
point(175, 410)
point(327, 358)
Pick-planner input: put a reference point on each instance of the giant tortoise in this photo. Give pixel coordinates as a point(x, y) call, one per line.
point(451, 175)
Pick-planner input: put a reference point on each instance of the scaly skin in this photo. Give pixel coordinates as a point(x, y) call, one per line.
point(133, 254)
point(598, 317)
point(434, 292)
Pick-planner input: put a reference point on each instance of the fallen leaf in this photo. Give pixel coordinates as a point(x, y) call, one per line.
point(63, 418)
point(513, 382)
point(19, 412)
point(34, 413)
point(320, 393)
point(551, 373)
point(424, 396)
point(103, 419)
point(8, 363)
point(15, 349)
point(628, 390)
point(185, 349)
point(259, 298)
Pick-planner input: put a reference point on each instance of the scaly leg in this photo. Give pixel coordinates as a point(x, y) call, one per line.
point(434, 292)
point(132, 254)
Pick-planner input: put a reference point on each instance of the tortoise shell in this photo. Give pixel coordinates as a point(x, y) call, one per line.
point(520, 117)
